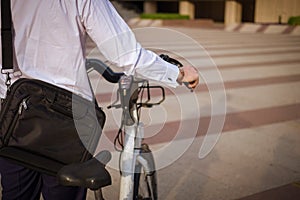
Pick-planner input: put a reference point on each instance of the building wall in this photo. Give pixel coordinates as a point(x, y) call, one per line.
point(210, 9)
point(270, 11)
point(248, 8)
point(259, 11)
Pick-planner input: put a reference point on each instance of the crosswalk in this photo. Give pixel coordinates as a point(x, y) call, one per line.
point(258, 146)
point(256, 77)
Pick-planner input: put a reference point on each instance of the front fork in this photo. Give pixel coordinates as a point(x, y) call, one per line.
point(134, 132)
point(129, 157)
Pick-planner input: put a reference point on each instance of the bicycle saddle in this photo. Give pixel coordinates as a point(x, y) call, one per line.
point(90, 174)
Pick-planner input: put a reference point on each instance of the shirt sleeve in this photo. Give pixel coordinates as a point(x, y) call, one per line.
point(118, 44)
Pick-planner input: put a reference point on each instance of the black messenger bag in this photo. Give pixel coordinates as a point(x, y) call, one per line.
point(42, 126)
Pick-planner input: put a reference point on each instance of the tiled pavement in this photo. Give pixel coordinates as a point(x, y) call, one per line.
point(257, 154)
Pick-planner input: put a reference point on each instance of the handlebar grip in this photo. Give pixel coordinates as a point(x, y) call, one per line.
point(171, 60)
point(104, 70)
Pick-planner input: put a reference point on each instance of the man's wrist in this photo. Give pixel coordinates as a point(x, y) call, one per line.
point(180, 75)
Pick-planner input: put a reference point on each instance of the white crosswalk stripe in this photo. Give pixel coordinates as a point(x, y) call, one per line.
point(261, 75)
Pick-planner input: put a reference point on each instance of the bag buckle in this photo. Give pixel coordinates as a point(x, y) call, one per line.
point(7, 72)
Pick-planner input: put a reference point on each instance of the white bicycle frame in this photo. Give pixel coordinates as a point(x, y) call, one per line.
point(132, 145)
point(134, 131)
point(130, 156)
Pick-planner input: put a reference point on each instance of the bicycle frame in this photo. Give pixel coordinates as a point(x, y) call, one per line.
point(129, 157)
point(132, 148)
point(134, 133)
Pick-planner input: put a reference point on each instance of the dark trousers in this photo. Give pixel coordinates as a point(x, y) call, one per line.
point(20, 183)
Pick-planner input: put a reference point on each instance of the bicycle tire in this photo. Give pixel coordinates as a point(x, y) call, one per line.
point(145, 180)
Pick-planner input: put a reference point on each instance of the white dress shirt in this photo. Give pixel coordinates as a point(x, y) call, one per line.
point(50, 38)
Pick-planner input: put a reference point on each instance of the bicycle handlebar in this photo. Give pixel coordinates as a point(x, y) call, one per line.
point(104, 70)
point(171, 60)
point(114, 77)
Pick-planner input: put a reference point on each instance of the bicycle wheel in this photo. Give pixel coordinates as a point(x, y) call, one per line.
point(145, 182)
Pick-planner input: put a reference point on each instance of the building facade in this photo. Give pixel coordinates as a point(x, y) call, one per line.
point(226, 11)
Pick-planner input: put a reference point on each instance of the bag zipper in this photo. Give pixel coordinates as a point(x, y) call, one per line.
point(22, 106)
point(9, 97)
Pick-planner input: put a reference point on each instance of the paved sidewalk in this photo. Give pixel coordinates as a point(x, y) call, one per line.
point(290, 192)
point(257, 155)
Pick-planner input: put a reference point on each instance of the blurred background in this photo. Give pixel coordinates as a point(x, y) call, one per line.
point(220, 11)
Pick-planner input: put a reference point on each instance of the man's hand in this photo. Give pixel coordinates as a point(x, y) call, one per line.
point(188, 75)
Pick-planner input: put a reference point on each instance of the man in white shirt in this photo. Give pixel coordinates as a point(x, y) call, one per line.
point(49, 45)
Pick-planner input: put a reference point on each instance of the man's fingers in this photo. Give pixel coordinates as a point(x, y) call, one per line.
point(191, 77)
point(193, 84)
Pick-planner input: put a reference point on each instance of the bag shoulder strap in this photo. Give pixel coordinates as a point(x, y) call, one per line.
point(6, 35)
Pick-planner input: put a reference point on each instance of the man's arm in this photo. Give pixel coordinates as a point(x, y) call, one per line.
point(118, 44)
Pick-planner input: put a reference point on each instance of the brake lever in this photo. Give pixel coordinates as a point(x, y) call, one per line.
point(187, 85)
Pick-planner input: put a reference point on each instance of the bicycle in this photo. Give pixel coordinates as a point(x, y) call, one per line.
point(137, 167)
